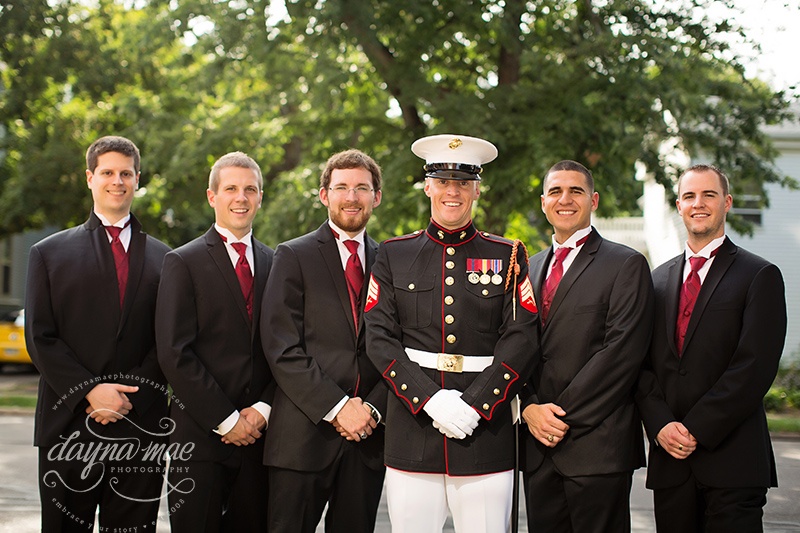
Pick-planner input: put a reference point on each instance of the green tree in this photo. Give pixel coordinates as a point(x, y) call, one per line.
point(605, 82)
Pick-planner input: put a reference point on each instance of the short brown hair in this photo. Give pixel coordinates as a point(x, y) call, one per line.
point(723, 179)
point(568, 164)
point(112, 143)
point(233, 159)
point(351, 159)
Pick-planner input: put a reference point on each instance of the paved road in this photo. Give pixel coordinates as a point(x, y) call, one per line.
point(19, 499)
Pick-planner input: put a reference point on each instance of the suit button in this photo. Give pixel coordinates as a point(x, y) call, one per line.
point(496, 392)
point(485, 292)
point(450, 265)
point(392, 374)
point(411, 286)
point(449, 319)
point(682, 371)
point(415, 399)
point(451, 251)
point(506, 376)
point(448, 300)
point(451, 339)
point(403, 386)
point(486, 407)
point(449, 280)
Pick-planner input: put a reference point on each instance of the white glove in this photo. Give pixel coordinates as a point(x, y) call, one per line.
point(454, 417)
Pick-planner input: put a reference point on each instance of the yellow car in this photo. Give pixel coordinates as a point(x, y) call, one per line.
point(12, 340)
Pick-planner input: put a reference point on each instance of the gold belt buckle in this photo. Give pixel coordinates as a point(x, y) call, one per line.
point(449, 362)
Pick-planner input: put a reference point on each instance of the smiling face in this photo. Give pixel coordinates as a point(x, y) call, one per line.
point(236, 200)
point(451, 201)
point(568, 202)
point(703, 205)
point(348, 208)
point(113, 183)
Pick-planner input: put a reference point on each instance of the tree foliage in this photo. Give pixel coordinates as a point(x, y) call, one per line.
point(605, 82)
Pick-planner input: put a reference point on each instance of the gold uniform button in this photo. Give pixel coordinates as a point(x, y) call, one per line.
point(451, 339)
point(451, 265)
point(415, 399)
point(451, 251)
point(392, 373)
point(448, 300)
point(449, 319)
point(486, 407)
point(485, 292)
point(506, 376)
point(403, 386)
point(411, 286)
point(449, 280)
point(496, 392)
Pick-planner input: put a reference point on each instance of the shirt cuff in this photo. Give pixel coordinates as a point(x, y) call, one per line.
point(227, 424)
point(265, 409)
point(335, 411)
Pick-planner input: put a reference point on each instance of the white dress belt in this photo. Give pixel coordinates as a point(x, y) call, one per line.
point(448, 362)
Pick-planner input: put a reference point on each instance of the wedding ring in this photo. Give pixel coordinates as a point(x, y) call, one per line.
point(680, 447)
point(550, 438)
point(363, 435)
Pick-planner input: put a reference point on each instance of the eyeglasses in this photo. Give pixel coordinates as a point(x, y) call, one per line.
point(341, 190)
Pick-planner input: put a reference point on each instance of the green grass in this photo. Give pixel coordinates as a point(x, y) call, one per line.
point(783, 422)
point(17, 401)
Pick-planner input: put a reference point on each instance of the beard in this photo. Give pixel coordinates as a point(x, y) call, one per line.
point(351, 223)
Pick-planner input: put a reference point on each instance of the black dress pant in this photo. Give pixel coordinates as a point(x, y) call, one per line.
point(351, 490)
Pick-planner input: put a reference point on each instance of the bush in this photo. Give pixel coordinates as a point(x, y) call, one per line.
point(776, 399)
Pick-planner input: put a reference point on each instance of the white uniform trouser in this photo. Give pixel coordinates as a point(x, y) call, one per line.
point(418, 503)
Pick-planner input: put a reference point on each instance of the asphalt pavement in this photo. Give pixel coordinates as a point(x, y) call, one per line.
point(19, 499)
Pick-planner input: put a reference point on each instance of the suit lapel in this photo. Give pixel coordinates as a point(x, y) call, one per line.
point(370, 252)
point(330, 254)
point(219, 254)
point(104, 259)
point(262, 267)
point(722, 262)
point(582, 260)
point(672, 299)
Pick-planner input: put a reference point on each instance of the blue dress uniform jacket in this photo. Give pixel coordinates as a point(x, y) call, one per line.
point(422, 296)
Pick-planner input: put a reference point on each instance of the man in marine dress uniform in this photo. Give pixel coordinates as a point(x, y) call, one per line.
point(452, 327)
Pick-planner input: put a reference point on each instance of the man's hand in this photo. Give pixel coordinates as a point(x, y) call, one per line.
point(255, 418)
point(544, 423)
point(108, 402)
point(354, 421)
point(676, 440)
point(242, 434)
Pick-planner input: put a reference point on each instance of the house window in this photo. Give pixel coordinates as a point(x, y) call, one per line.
point(749, 207)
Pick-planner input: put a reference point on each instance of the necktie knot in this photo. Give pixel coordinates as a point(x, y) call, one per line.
point(240, 247)
point(352, 246)
point(562, 253)
point(697, 262)
point(114, 231)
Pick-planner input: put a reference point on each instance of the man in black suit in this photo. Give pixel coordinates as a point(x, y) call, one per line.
point(323, 445)
point(451, 325)
point(210, 350)
point(719, 332)
point(585, 438)
point(90, 332)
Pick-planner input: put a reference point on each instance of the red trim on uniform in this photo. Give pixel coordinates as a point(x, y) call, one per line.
point(451, 232)
point(505, 394)
point(397, 393)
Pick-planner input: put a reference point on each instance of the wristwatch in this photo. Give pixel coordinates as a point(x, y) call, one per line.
point(376, 416)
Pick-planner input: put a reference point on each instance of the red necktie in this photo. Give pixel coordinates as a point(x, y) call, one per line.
point(245, 276)
point(689, 291)
point(121, 259)
point(355, 278)
point(552, 281)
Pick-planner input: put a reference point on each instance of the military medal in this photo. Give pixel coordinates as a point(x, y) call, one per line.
point(473, 278)
point(485, 278)
point(497, 279)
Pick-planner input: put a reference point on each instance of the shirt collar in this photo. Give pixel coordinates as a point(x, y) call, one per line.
point(342, 236)
point(231, 238)
point(119, 223)
point(706, 251)
point(573, 239)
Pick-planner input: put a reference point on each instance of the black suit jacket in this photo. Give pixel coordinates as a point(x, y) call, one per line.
point(210, 352)
point(593, 343)
point(315, 354)
point(78, 336)
point(716, 388)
